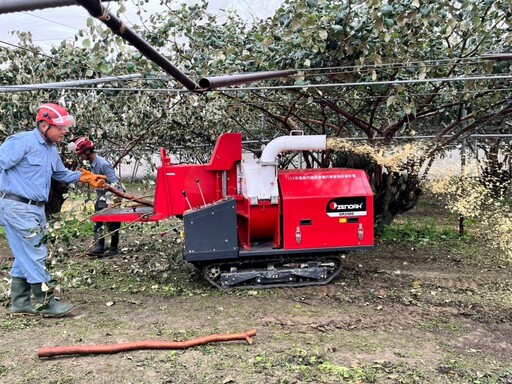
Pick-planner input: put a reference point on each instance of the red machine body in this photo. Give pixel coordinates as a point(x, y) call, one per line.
point(326, 208)
point(240, 212)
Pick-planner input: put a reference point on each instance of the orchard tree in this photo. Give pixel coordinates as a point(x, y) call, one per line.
point(366, 69)
point(372, 70)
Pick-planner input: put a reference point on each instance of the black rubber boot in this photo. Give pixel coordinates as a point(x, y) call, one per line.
point(20, 298)
point(114, 244)
point(48, 305)
point(99, 248)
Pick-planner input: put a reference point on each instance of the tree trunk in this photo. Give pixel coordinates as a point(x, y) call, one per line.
point(395, 194)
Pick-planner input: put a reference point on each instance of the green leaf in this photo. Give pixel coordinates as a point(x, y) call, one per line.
point(390, 101)
point(386, 10)
point(312, 3)
point(296, 23)
point(104, 68)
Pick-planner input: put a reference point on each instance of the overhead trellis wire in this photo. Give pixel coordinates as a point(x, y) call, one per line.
point(50, 86)
point(267, 102)
point(66, 84)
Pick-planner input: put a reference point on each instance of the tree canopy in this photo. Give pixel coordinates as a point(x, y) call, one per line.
point(368, 69)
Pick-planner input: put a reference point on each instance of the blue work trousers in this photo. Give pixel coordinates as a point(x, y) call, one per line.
point(100, 205)
point(25, 227)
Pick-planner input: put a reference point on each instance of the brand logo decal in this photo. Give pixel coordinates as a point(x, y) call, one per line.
point(346, 206)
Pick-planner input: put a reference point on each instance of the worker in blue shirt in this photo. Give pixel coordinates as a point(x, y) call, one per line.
point(84, 148)
point(28, 162)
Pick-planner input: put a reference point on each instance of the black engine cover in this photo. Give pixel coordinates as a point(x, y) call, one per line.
point(210, 232)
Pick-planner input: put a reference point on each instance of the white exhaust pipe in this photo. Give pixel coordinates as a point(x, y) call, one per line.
point(260, 180)
point(291, 143)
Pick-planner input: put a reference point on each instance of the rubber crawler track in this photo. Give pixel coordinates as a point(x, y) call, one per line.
point(336, 259)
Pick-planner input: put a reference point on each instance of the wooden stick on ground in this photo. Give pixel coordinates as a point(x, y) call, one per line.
point(139, 345)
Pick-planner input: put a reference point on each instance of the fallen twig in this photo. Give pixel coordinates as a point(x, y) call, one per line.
point(139, 345)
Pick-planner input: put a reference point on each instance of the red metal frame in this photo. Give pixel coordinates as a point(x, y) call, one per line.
point(258, 224)
point(173, 180)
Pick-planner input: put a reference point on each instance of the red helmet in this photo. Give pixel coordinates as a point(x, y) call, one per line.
point(83, 144)
point(54, 114)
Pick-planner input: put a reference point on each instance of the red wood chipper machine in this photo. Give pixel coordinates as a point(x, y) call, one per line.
point(248, 223)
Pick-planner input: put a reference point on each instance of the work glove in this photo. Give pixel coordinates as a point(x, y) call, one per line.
point(95, 181)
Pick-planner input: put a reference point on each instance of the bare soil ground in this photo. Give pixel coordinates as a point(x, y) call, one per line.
point(405, 312)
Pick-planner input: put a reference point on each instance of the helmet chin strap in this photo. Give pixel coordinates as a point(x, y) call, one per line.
point(45, 133)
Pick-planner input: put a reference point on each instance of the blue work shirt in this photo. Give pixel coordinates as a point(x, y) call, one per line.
point(100, 166)
point(27, 165)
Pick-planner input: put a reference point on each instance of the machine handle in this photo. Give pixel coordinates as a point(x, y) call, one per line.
point(201, 191)
point(186, 199)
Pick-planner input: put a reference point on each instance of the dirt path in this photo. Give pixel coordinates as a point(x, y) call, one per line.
point(395, 315)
